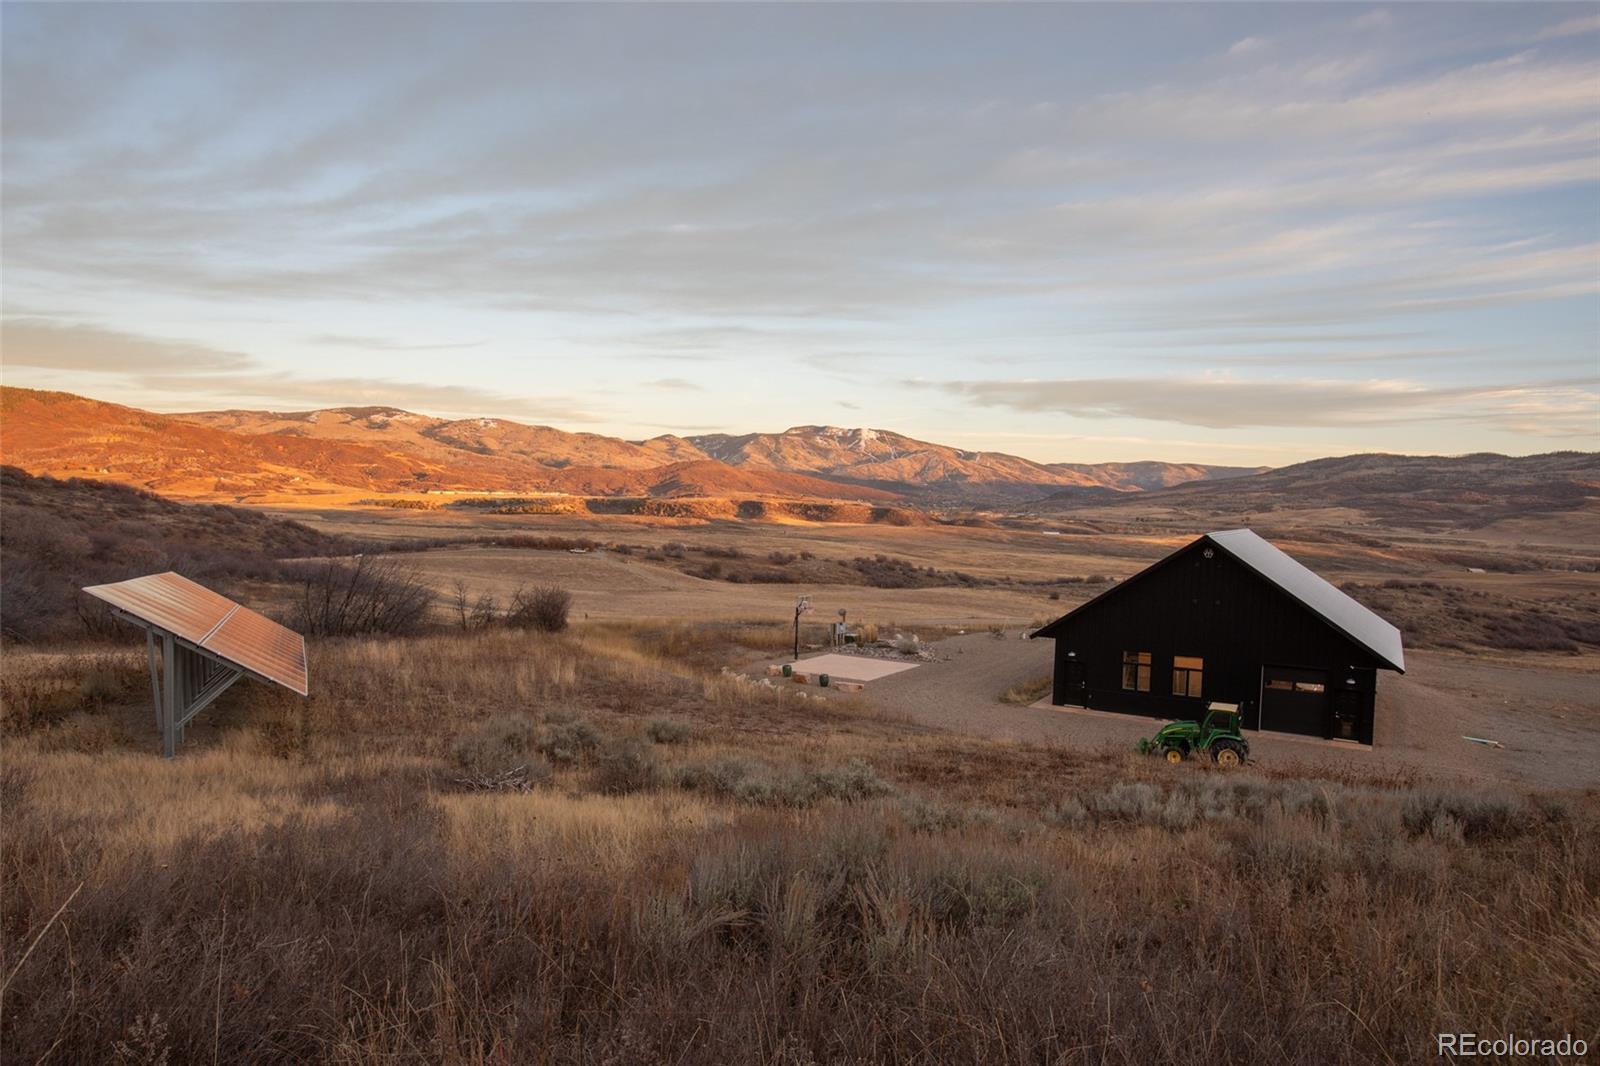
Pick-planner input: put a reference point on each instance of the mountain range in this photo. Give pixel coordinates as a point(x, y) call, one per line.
point(1412, 491)
point(239, 454)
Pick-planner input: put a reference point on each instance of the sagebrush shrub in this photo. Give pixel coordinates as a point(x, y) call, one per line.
point(667, 731)
point(763, 786)
point(624, 766)
point(500, 744)
point(100, 685)
point(1479, 817)
point(567, 742)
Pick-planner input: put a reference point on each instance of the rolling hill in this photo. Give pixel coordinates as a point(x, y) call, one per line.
point(856, 458)
point(242, 454)
point(1417, 491)
point(442, 439)
point(881, 457)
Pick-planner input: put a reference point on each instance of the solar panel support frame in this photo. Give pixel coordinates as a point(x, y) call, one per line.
point(188, 681)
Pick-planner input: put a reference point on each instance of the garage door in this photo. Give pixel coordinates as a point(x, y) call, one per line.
point(1294, 700)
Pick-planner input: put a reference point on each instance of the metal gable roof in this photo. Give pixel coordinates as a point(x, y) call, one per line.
point(1331, 605)
point(213, 623)
point(1335, 607)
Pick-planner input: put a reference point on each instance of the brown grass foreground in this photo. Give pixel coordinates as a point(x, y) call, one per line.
point(706, 871)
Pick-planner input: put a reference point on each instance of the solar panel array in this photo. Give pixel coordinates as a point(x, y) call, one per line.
point(213, 622)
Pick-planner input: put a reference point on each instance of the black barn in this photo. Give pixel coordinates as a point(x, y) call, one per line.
point(1230, 618)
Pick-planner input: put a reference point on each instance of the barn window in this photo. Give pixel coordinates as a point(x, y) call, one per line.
point(1309, 686)
point(1186, 671)
point(1136, 671)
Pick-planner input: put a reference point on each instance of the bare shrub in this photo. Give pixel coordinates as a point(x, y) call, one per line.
point(543, 608)
point(1132, 801)
point(368, 596)
point(667, 731)
point(471, 612)
point(765, 786)
point(1068, 812)
point(500, 744)
point(568, 742)
point(100, 685)
point(625, 765)
point(1468, 817)
point(86, 733)
point(28, 601)
point(923, 815)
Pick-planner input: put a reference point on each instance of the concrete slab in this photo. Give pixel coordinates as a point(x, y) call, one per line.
point(851, 667)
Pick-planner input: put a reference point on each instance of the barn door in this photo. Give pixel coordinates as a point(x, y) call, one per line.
point(1295, 701)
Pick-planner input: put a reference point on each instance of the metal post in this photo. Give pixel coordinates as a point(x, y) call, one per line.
point(797, 632)
point(169, 702)
point(155, 676)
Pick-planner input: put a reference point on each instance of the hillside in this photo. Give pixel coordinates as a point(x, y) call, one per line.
point(856, 457)
point(881, 457)
point(1441, 492)
point(241, 455)
point(58, 536)
point(1149, 476)
point(703, 477)
point(60, 434)
point(441, 439)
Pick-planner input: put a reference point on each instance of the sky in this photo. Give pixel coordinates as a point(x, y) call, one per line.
point(1227, 234)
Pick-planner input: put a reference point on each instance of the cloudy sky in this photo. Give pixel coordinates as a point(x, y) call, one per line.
point(1217, 233)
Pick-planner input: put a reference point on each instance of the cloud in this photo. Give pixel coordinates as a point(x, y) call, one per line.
point(1570, 28)
point(1549, 409)
point(674, 191)
point(167, 373)
point(285, 391)
point(1296, 359)
point(672, 384)
point(52, 345)
point(385, 344)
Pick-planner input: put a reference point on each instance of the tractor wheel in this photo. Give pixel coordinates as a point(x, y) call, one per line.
point(1173, 755)
point(1226, 755)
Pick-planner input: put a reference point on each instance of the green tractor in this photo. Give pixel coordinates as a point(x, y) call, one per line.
point(1218, 735)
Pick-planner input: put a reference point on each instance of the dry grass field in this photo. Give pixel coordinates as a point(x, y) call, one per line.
point(597, 846)
point(693, 868)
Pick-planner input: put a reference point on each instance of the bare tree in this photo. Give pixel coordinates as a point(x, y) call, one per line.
point(485, 611)
point(364, 596)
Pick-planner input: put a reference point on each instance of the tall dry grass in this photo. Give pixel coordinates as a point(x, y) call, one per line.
point(311, 881)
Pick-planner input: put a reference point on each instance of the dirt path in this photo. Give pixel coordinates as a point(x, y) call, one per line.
point(1545, 712)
